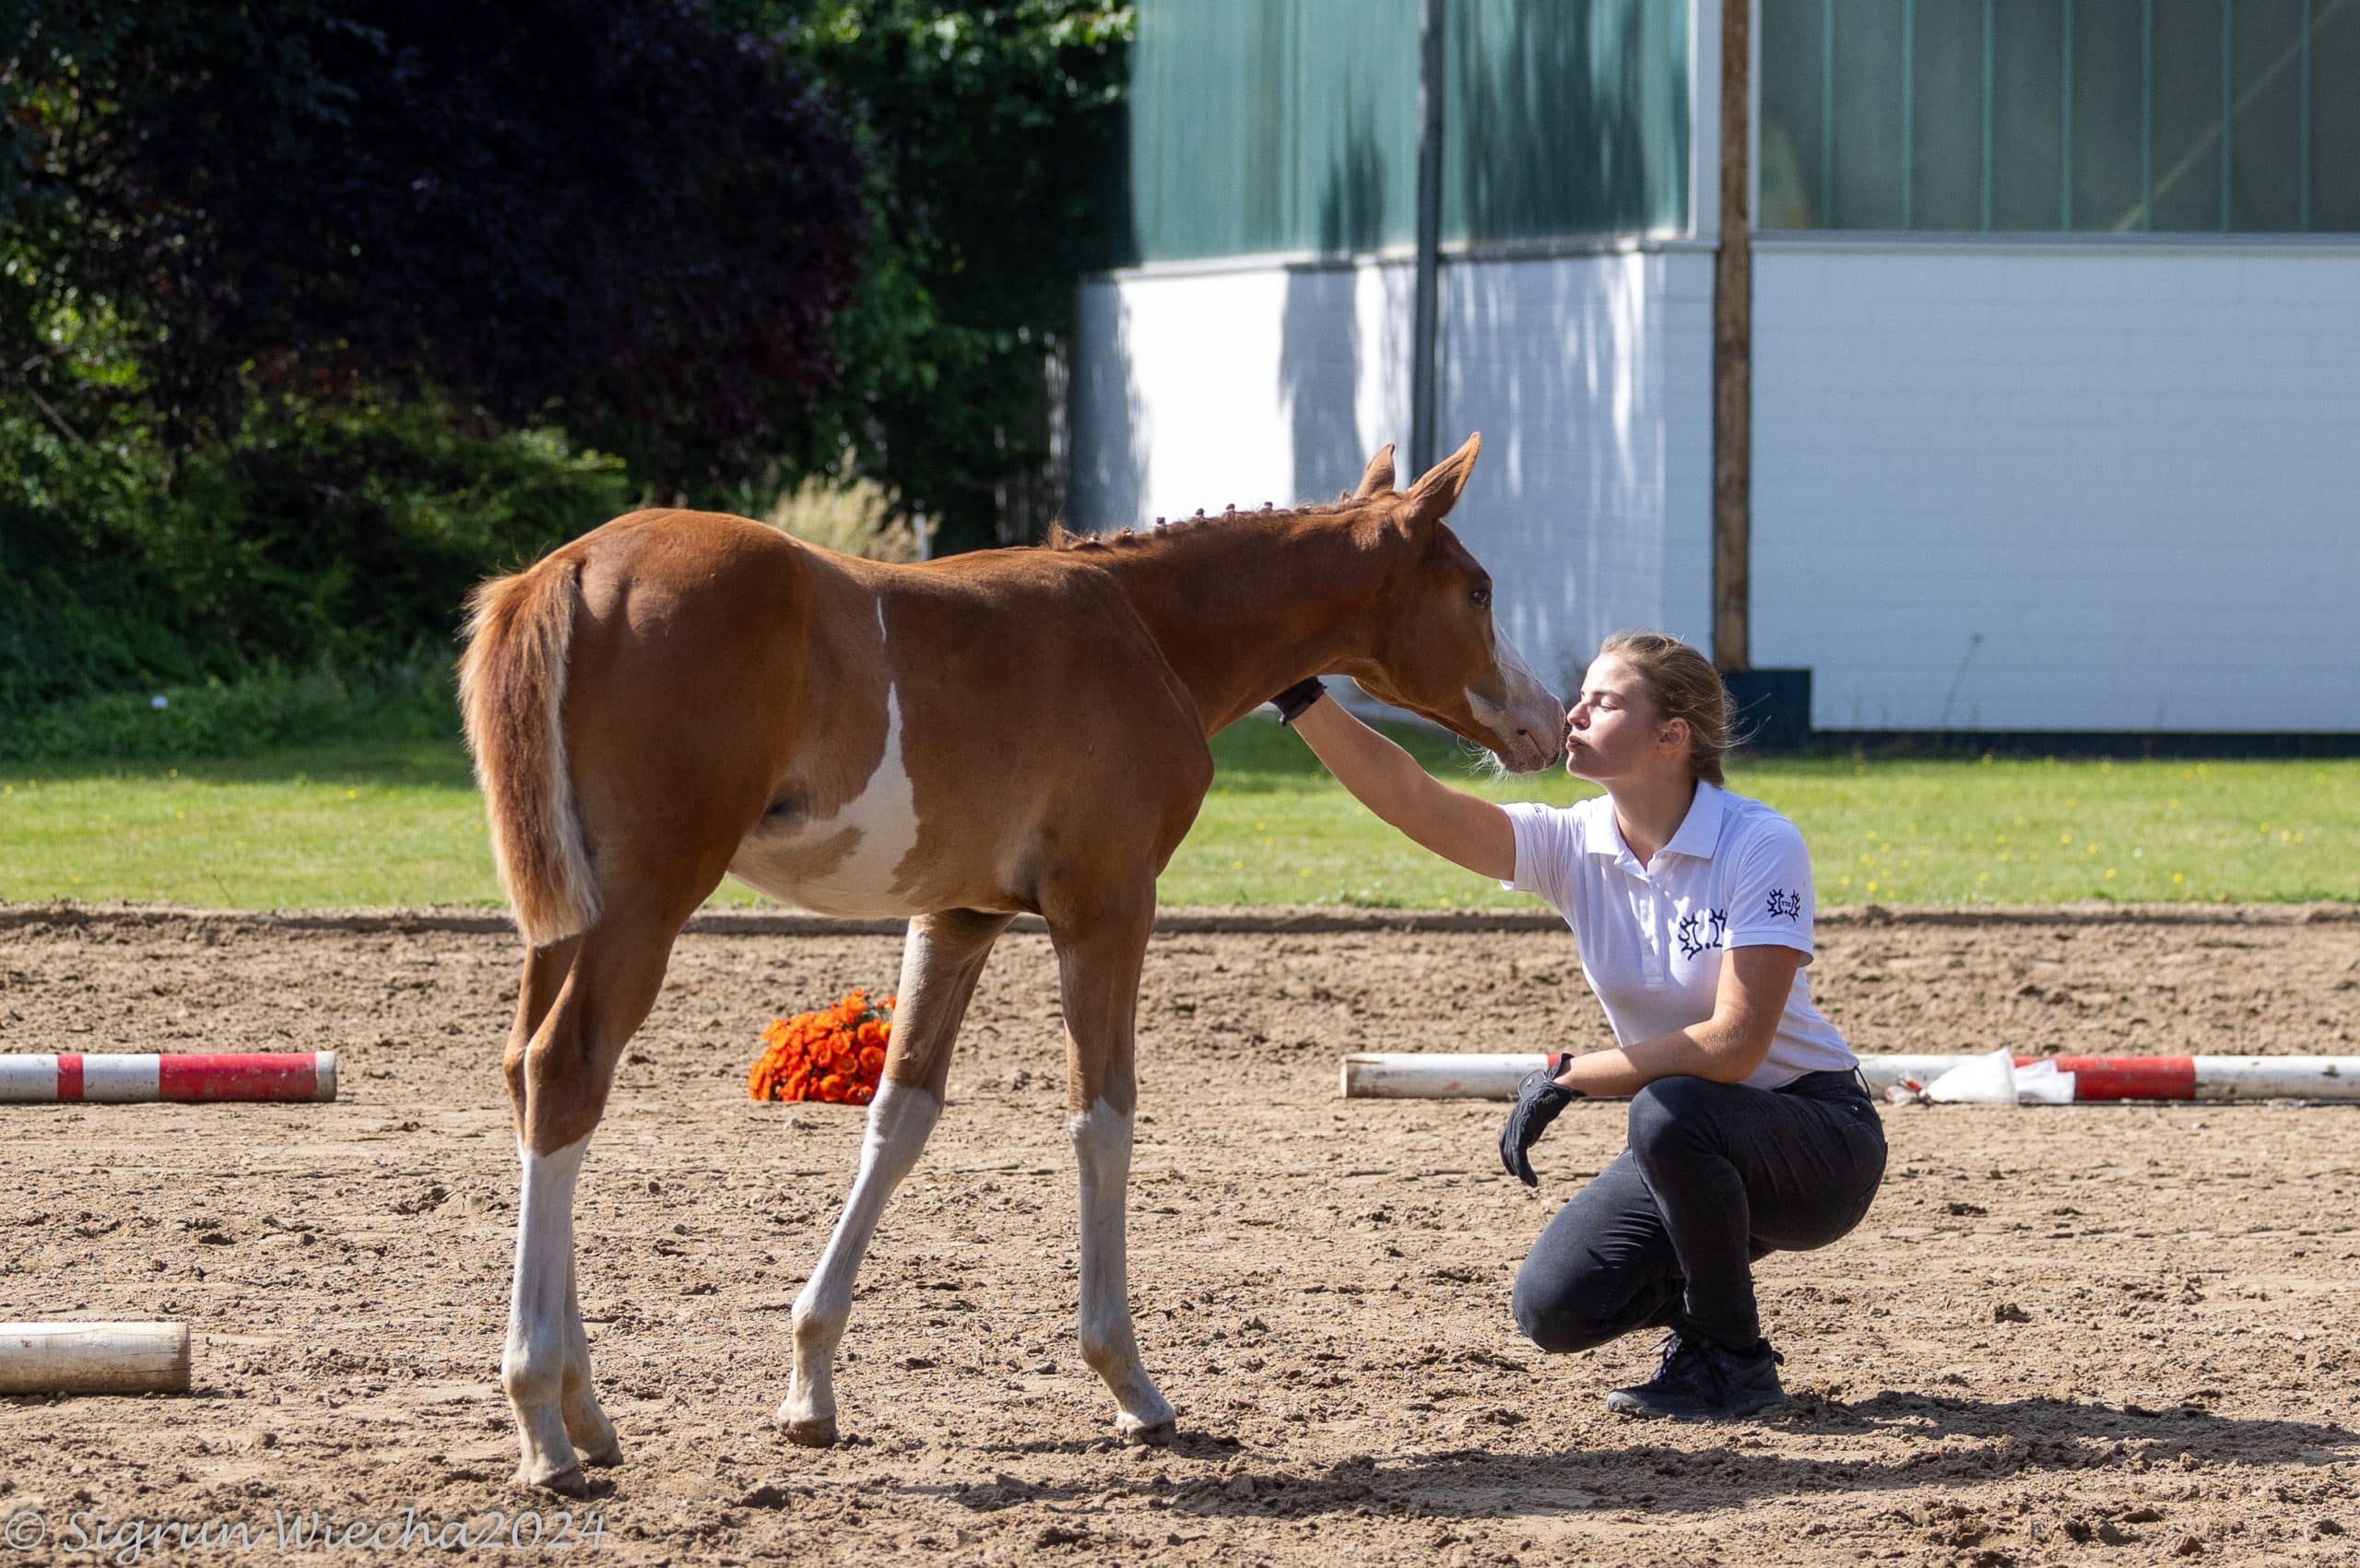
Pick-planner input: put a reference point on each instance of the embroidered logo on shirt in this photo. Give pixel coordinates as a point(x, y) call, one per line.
point(1789, 904)
point(1698, 932)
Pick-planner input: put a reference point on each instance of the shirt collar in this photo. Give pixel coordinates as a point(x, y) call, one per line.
point(1599, 835)
point(1700, 831)
point(1699, 834)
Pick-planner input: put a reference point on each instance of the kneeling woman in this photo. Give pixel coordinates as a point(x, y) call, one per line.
point(1750, 1130)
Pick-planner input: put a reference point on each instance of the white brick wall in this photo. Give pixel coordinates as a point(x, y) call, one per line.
point(1589, 377)
point(2130, 472)
point(1591, 380)
point(1202, 389)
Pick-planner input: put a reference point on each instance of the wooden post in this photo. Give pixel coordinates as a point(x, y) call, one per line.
point(1733, 350)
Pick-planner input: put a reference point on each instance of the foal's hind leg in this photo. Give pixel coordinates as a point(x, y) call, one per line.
point(558, 1081)
point(592, 1434)
point(940, 966)
point(1099, 959)
point(586, 1426)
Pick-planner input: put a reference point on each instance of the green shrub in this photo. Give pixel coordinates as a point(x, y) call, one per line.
point(347, 535)
point(82, 607)
point(409, 701)
point(853, 518)
point(310, 539)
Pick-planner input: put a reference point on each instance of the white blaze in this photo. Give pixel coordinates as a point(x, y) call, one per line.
point(1501, 721)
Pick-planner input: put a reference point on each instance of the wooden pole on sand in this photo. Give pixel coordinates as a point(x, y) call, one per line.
point(94, 1357)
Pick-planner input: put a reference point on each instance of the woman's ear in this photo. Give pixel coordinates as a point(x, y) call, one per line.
point(1674, 735)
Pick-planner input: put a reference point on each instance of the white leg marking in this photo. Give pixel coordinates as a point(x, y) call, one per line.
point(899, 1121)
point(543, 1322)
point(1102, 1145)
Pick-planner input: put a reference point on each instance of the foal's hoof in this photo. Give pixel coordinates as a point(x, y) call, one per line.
point(809, 1431)
point(611, 1454)
point(1146, 1434)
point(567, 1482)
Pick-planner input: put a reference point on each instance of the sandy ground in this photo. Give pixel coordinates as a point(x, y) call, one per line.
point(2094, 1334)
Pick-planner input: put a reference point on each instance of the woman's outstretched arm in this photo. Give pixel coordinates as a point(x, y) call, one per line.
point(1458, 826)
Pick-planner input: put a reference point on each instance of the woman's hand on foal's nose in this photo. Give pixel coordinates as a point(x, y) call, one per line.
point(1538, 1099)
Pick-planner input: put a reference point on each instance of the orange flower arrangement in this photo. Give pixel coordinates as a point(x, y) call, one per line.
point(835, 1055)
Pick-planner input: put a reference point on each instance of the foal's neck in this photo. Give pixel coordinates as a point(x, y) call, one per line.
point(1244, 605)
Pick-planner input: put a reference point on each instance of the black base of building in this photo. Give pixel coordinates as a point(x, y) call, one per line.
point(1770, 708)
point(2084, 743)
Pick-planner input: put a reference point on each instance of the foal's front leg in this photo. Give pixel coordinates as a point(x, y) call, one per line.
point(940, 967)
point(1099, 966)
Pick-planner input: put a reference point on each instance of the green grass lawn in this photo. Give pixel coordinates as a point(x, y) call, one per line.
point(399, 825)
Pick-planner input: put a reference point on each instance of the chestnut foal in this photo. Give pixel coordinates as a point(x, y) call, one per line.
point(678, 695)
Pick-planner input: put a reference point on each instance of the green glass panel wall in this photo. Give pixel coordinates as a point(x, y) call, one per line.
point(1792, 159)
point(1945, 122)
point(1867, 145)
point(2265, 77)
point(2027, 97)
point(2025, 115)
point(2335, 137)
point(1292, 125)
point(1216, 163)
point(2110, 96)
point(2187, 143)
point(1356, 136)
point(1564, 119)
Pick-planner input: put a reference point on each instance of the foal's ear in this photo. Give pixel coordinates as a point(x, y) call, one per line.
point(1437, 492)
point(1377, 480)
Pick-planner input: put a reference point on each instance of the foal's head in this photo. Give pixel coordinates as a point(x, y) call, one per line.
point(1436, 649)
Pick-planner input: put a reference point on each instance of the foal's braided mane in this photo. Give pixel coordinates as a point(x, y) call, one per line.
point(1063, 538)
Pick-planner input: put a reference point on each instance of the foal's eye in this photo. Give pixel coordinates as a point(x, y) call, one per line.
point(1482, 597)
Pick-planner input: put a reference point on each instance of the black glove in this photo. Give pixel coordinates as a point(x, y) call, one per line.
point(1538, 1099)
point(1296, 699)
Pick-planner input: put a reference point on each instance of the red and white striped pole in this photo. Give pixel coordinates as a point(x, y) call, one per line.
point(261, 1075)
point(1454, 1075)
point(2161, 1077)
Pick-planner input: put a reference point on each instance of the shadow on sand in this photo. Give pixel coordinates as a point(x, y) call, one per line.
point(2016, 1436)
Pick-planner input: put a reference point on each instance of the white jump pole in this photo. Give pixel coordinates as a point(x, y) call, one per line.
point(93, 1358)
point(1456, 1075)
point(1436, 1075)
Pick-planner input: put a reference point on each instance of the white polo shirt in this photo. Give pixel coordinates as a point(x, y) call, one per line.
point(1736, 875)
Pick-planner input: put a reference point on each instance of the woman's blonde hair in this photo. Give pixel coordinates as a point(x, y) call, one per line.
point(1683, 685)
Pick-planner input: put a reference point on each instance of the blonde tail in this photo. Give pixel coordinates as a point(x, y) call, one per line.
point(511, 696)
